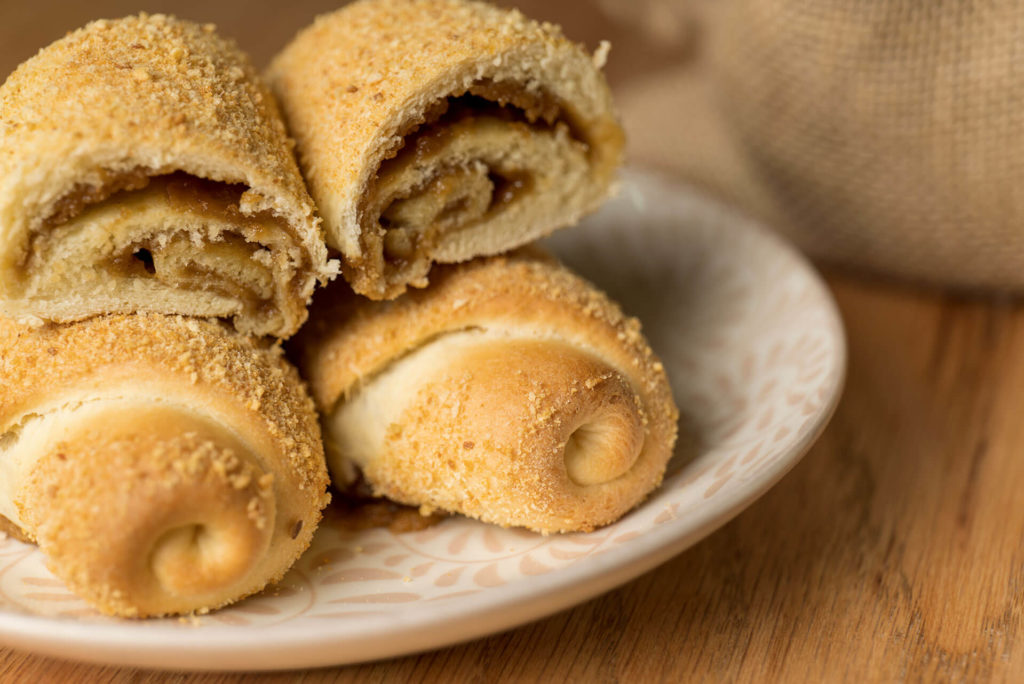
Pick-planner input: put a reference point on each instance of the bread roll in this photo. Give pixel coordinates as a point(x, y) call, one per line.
point(145, 167)
point(163, 465)
point(510, 390)
point(439, 130)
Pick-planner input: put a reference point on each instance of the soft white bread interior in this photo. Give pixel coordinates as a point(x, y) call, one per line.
point(509, 390)
point(440, 130)
point(163, 465)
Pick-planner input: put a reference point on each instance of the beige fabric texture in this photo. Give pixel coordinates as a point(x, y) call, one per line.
point(884, 136)
point(889, 134)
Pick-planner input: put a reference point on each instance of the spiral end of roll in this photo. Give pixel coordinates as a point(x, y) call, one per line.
point(223, 535)
point(152, 516)
point(608, 439)
point(518, 432)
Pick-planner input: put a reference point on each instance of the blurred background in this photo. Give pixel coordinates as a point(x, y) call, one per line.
point(883, 137)
point(656, 50)
point(657, 63)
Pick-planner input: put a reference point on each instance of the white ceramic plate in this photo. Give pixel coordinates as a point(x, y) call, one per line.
point(756, 355)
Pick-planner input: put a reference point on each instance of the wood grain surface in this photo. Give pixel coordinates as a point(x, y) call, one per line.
point(893, 552)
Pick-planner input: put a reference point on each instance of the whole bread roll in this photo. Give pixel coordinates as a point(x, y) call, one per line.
point(440, 130)
point(163, 464)
point(145, 167)
point(510, 390)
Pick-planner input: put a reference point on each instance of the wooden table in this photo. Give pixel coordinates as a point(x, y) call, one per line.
point(894, 551)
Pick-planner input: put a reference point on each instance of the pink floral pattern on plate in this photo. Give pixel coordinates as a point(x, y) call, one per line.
point(755, 352)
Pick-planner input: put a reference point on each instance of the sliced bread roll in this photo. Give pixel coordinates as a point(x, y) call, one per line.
point(144, 167)
point(440, 130)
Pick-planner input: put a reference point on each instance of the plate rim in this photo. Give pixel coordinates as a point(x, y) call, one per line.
point(218, 647)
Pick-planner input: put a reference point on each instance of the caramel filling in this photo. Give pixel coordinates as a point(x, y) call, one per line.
point(434, 183)
point(213, 247)
point(82, 195)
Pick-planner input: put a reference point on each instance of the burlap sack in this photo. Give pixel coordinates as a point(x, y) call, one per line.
point(890, 133)
point(887, 134)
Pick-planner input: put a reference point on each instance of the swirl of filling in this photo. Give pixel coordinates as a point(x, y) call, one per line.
point(145, 167)
point(169, 242)
point(482, 161)
point(434, 132)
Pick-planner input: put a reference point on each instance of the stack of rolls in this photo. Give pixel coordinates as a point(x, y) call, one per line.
point(508, 389)
point(163, 464)
point(158, 241)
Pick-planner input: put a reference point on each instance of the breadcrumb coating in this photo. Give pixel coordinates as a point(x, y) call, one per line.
point(155, 94)
point(357, 82)
point(510, 390)
point(162, 463)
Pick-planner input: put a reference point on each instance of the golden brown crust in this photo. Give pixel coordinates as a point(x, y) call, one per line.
point(349, 339)
point(155, 94)
point(164, 464)
point(502, 361)
point(359, 80)
point(184, 518)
